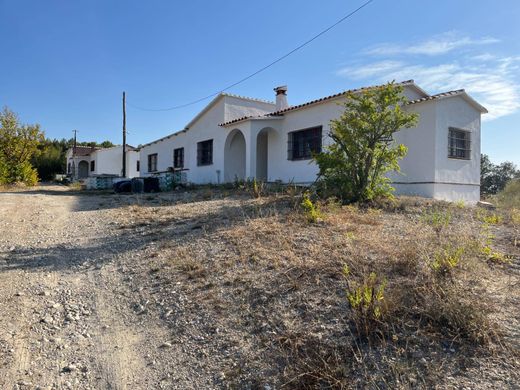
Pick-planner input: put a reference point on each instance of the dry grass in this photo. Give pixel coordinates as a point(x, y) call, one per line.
point(272, 283)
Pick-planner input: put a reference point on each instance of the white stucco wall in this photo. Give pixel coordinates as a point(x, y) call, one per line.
point(419, 163)
point(237, 108)
point(278, 166)
point(132, 156)
point(110, 162)
point(426, 170)
point(305, 171)
point(205, 128)
point(457, 179)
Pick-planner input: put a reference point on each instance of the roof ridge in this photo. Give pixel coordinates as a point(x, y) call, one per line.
point(247, 98)
point(437, 95)
point(163, 138)
point(352, 90)
point(449, 92)
point(279, 112)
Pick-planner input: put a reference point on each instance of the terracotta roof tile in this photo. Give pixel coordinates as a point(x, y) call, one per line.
point(84, 150)
point(291, 108)
point(437, 96)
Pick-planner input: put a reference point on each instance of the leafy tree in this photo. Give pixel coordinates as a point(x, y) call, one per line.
point(353, 167)
point(18, 144)
point(106, 144)
point(93, 144)
point(493, 177)
point(51, 159)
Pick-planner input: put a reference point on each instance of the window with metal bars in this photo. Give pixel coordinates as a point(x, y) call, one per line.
point(205, 152)
point(302, 144)
point(459, 144)
point(178, 158)
point(152, 162)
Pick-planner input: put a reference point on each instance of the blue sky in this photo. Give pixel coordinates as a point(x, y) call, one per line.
point(65, 63)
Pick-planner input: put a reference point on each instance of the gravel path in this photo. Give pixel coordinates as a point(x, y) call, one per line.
point(68, 319)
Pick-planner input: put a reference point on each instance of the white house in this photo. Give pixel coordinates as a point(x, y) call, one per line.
point(84, 162)
point(237, 137)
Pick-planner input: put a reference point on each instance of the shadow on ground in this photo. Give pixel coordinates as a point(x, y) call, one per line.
point(88, 200)
point(122, 239)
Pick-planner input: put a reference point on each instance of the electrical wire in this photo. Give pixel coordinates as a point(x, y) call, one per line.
point(352, 13)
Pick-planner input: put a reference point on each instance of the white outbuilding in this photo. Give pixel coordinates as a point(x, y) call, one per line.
point(236, 137)
point(84, 162)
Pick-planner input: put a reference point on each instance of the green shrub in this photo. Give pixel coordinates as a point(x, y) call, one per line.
point(367, 301)
point(18, 145)
point(460, 204)
point(309, 208)
point(510, 197)
point(353, 168)
point(446, 259)
point(488, 217)
point(257, 188)
point(437, 219)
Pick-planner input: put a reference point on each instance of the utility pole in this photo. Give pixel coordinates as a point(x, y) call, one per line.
point(124, 134)
point(74, 153)
point(74, 146)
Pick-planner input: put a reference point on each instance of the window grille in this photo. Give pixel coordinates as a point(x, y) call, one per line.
point(178, 158)
point(459, 144)
point(205, 152)
point(152, 162)
point(302, 144)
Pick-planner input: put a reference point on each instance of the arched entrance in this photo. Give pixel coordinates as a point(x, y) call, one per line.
point(262, 152)
point(235, 156)
point(82, 169)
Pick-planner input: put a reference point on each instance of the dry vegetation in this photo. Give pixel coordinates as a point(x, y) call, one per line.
point(273, 293)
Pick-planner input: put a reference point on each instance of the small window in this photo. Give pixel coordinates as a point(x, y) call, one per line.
point(137, 165)
point(69, 168)
point(459, 144)
point(302, 144)
point(178, 158)
point(205, 152)
point(152, 162)
point(92, 166)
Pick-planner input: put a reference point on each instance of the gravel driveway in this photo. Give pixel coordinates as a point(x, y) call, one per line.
point(68, 318)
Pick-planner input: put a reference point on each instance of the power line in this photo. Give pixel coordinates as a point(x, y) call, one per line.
point(352, 13)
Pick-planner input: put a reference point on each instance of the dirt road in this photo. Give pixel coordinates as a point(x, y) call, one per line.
point(183, 290)
point(68, 318)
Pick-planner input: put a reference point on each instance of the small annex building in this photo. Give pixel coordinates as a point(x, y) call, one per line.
point(84, 162)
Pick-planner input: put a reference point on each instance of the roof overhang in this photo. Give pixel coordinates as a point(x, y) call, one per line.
point(326, 99)
point(446, 95)
point(250, 118)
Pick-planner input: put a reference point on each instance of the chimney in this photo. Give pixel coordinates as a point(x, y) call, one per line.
point(281, 97)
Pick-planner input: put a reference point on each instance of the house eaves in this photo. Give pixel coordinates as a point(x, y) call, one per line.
point(445, 95)
point(409, 83)
point(163, 138)
point(216, 100)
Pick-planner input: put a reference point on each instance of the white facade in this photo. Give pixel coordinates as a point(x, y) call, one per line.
point(89, 162)
point(250, 140)
point(205, 126)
